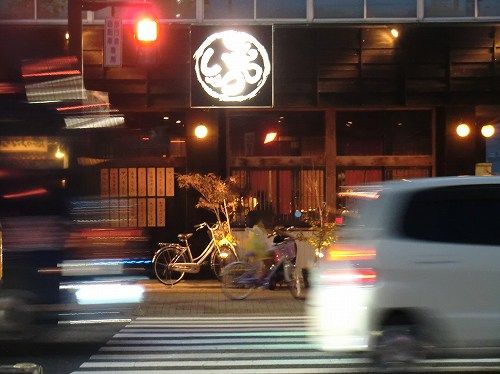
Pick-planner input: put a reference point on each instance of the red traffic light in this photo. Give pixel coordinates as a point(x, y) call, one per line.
point(146, 30)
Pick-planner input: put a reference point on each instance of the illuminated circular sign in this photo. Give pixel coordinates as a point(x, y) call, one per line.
point(232, 66)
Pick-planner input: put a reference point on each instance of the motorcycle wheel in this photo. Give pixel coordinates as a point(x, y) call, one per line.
point(297, 285)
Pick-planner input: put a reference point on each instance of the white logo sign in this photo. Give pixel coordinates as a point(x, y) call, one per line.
point(232, 66)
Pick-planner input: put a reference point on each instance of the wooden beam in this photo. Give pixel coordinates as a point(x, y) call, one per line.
point(277, 161)
point(385, 161)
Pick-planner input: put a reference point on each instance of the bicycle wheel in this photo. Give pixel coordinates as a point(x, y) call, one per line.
point(221, 257)
point(297, 284)
point(238, 280)
point(161, 261)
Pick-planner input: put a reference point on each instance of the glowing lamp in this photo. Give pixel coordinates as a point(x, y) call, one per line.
point(201, 131)
point(488, 131)
point(270, 137)
point(394, 33)
point(59, 154)
point(146, 30)
point(463, 130)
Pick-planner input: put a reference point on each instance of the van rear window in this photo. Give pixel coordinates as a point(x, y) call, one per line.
point(459, 214)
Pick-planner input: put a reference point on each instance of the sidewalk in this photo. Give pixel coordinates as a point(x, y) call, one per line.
point(205, 298)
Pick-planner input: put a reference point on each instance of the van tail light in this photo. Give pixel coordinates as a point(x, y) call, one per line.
point(358, 269)
point(350, 252)
point(354, 276)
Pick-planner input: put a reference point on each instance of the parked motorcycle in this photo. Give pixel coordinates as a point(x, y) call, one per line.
point(284, 251)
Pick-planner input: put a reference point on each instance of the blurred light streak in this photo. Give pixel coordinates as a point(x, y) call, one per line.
point(109, 294)
point(70, 88)
point(85, 122)
point(52, 73)
point(10, 88)
point(32, 192)
point(86, 106)
point(94, 321)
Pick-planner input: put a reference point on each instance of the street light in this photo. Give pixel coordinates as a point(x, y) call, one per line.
point(488, 131)
point(270, 137)
point(463, 130)
point(201, 131)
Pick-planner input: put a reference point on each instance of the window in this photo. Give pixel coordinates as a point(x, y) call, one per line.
point(462, 214)
point(281, 8)
point(297, 134)
point(284, 174)
point(338, 9)
point(52, 9)
point(17, 9)
point(488, 8)
point(177, 9)
point(384, 133)
point(229, 9)
point(391, 8)
point(449, 8)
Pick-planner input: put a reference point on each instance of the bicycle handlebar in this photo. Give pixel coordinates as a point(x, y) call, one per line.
point(207, 225)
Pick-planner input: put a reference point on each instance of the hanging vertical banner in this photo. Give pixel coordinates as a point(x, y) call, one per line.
point(104, 182)
point(169, 181)
point(160, 182)
point(141, 212)
point(123, 212)
point(123, 182)
point(151, 181)
point(132, 181)
point(113, 182)
point(113, 42)
point(151, 212)
point(141, 181)
point(231, 66)
point(161, 212)
point(132, 212)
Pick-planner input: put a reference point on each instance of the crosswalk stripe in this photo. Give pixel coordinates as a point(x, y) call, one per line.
point(190, 326)
point(202, 356)
point(213, 347)
point(239, 344)
point(207, 341)
point(234, 363)
point(240, 371)
point(222, 334)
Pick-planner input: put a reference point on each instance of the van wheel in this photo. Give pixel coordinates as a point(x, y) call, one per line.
point(397, 345)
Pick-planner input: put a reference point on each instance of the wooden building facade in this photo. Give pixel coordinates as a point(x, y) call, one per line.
point(352, 104)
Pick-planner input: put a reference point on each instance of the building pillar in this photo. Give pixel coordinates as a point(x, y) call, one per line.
point(330, 160)
point(75, 28)
point(202, 155)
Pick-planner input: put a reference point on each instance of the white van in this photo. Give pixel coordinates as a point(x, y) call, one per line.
point(417, 267)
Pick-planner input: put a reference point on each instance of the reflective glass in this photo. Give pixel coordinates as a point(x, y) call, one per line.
point(228, 9)
point(124, 12)
point(488, 8)
point(49, 9)
point(391, 8)
point(281, 9)
point(17, 9)
point(449, 8)
point(177, 9)
point(338, 9)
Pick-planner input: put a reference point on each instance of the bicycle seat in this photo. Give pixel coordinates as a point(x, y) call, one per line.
point(184, 237)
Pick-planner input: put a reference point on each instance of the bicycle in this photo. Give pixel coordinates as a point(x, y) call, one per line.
point(240, 278)
point(172, 260)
